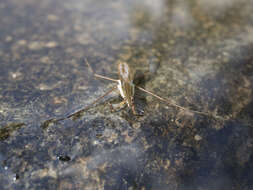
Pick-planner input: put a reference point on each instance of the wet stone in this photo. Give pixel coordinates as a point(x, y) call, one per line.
point(35, 45)
point(55, 134)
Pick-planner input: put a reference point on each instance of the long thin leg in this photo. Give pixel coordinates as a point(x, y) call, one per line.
point(175, 105)
point(99, 76)
point(54, 120)
point(87, 107)
point(92, 103)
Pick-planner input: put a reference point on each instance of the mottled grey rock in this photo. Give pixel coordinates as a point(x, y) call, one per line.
point(197, 54)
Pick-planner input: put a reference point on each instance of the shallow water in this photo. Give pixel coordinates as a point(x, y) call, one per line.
point(197, 54)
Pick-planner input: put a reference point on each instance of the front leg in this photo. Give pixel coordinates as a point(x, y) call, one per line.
point(119, 106)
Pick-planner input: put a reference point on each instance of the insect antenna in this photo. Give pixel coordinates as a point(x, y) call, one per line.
point(97, 75)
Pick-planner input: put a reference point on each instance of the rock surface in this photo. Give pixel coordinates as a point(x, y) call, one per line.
point(197, 54)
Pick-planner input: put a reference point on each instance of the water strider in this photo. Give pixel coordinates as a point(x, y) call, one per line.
point(126, 88)
point(125, 84)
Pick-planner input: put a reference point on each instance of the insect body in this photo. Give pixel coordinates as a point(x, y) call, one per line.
point(125, 84)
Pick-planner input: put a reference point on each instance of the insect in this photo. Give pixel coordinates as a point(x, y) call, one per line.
point(125, 84)
point(126, 88)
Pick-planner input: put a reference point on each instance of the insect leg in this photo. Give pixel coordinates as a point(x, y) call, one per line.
point(116, 107)
point(77, 113)
point(133, 110)
point(92, 103)
point(173, 104)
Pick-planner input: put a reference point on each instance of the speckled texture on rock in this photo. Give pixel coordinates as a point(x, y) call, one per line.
point(198, 54)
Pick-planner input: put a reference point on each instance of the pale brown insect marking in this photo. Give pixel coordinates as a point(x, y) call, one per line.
point(124, 71)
